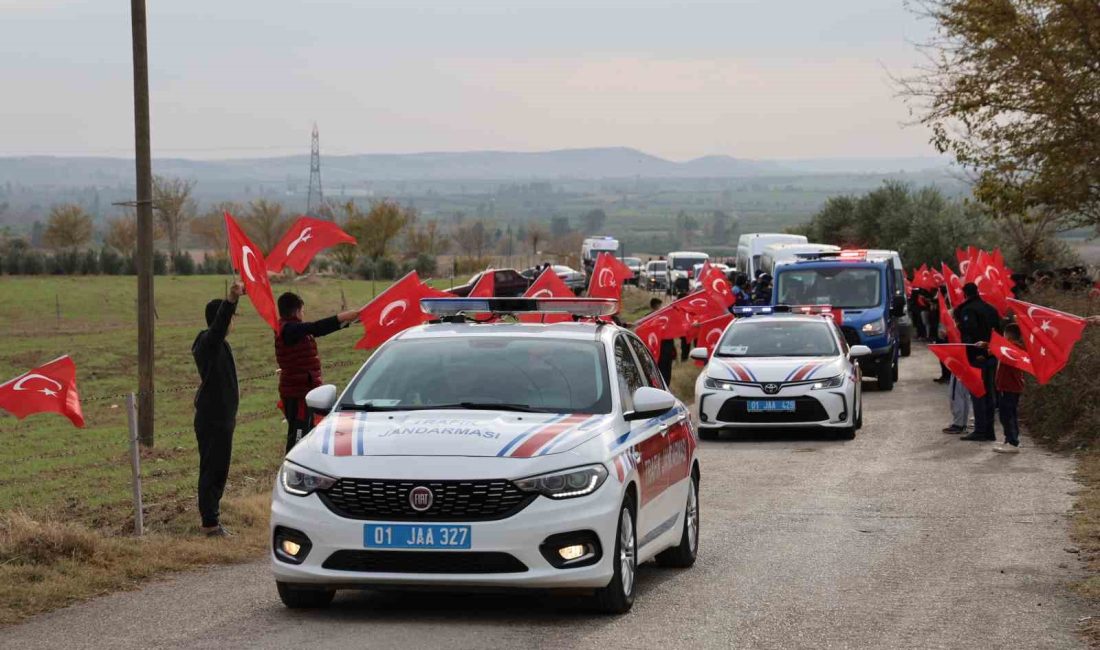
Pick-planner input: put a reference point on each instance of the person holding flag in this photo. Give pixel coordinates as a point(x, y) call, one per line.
point(299, 362)
point(977, 320)
point(216, 404)
point(1010, 385)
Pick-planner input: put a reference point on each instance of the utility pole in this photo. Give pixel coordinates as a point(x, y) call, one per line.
point(144, 205)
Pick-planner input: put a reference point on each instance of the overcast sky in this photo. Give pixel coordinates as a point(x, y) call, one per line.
point(232, 78)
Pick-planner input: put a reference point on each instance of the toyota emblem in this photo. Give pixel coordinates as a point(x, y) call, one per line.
point(771, 389)
point(420, 498)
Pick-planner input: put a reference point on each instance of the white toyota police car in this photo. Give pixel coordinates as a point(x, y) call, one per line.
point(774, 367)
point(491, 455)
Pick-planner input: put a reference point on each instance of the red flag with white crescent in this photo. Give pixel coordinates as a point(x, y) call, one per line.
point(486, 285)
point(710, 331)
point(948, 322)
point(1010, 355)
point(608, 276)
point(1064, 330)
point(50, 388)
point(248, 259)
point(300, 244)
point(394, 310)
point(954, 359)
point(547, 285)
point(651, 335)
point(712, 280)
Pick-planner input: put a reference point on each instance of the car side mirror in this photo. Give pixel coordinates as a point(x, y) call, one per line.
point(322, 398)
point(859, 351)
point(897, 306)
point(700, 354)
point(649, 403)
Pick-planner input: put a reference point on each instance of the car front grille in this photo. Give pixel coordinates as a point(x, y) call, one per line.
point(388, 500)
point(806, 409)
point(851, 335)
point(424, 562)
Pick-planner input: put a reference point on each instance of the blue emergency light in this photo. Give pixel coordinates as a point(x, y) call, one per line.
point(583, 307)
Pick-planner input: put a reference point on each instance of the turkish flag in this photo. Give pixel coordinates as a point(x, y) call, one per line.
point(954, 285)
point(701, 305)
point(948, 322)
point(607, 277)
point(954, 358)
point(650, 333)
point(1064, 330)
point(547, 285)
point(710, 331)
point(712, 280)
point(1046, 357)
point(248, 259)
point(1010, 355)
point(300, 244)
point(394, 310)
point(669, 322)
point(50, 388)
point(486, 285)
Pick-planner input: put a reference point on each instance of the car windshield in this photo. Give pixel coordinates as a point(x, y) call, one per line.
point(777, 339)
point(632, 261)
point(856, 288)
point(656, 266)
point(563, 269)
point(515, 373)
point(686, 263)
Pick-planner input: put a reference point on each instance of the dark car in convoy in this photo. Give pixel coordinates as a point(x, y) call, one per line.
point(506, 283)
point(574, 279)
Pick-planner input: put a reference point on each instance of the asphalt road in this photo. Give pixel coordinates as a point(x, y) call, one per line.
point(902, 538)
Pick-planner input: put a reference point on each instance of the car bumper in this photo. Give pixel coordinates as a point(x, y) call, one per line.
point(724, 409)
point(519, 536)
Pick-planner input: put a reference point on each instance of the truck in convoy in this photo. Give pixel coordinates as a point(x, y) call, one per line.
point(751, 246)
point(777, 254)
point(905, 323)
point(681, 269)
point(862, 289)
point(591, 249)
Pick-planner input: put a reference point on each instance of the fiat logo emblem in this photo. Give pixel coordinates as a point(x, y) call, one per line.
point(771, 389)
point(420, 498)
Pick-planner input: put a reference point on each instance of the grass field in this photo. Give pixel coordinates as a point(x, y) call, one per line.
point(65, 507)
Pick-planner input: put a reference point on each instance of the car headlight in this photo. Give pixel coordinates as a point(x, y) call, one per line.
point(300, 481)
point(874, 327)
point(718, 384)
point(831, 382)
point(566, 484)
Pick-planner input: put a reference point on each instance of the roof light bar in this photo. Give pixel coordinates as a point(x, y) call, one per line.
point(585, 307)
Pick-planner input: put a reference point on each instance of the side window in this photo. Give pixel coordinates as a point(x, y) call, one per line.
point(649, 368)
point(840, 337)
point(630, 378)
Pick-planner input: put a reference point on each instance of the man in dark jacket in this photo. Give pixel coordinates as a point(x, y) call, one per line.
point(977, 320)
point(215, 407)
point(299, 363)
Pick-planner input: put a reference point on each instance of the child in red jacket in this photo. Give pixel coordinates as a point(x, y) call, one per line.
point(1010, 385)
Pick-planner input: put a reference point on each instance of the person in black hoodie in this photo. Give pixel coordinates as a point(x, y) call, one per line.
point(977, 320)
point(216, 404)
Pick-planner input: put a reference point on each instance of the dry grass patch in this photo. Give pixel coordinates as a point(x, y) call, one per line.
point(46, 564)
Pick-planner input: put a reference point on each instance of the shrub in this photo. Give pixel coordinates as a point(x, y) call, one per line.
point(160, 263)
point(382, 268)
point(33, 263)
point(1066, 412)
point(12, 263)
point(425, 265)
point(183, 264)
point(110, 262)
point(89, 263)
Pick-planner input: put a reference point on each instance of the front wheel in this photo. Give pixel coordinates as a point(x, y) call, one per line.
point(683, 554)
point(618, 596)
point(303, 597)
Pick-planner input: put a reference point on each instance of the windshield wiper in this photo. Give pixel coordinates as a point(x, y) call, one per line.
point(367, 407)
point(487, 406)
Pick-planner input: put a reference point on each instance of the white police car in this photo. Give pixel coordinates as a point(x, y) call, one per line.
point(780, 369)
point(491, 455)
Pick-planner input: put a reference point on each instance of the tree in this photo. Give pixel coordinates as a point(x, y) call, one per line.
point(174, 208)
point(1012, 91)
point(122, 233)
point(535, 234)
point(68, 228)
point(686, 226)
point(593, 221)
point(351, 219)
point(265, 223)
point(718, 229)
point(472, 238)
point(383, 223)
point(209, 228)
point(426, 239)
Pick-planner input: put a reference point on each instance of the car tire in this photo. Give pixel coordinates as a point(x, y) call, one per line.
point(304, 597)
point(886, 374)
point(708, 433)
point(894, 371)
point(618, 596)
point(859, 415)
point(906, 346)
point(683, 554)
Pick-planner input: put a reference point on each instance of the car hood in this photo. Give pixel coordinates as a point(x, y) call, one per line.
point(452, 433)
point(773, 369)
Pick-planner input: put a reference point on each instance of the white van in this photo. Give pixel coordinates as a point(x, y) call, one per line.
point(591, 248)
point(777, 254)
point(750, 246)
point(681, 266)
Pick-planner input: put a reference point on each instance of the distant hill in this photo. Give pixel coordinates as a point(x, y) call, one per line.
point(586, 164)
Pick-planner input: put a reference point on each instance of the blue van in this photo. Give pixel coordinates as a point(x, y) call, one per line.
point(864, 292)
